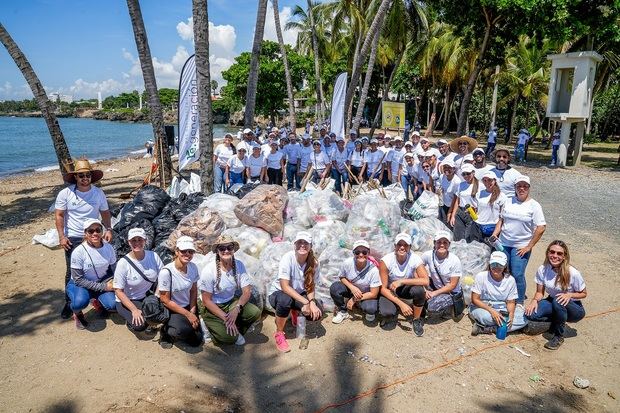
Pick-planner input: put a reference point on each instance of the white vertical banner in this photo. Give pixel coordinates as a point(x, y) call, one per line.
point(189, 149)
point(337, 116)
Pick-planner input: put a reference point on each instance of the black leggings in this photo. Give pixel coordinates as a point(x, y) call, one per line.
point(339, 292)
point(417, 293)
point(275, 176)
point(126, 314)
point(179, 328)
point(283, 303)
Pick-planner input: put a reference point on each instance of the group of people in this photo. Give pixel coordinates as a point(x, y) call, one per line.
point(401, 282)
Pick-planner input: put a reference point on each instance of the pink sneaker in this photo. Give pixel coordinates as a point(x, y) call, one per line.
point(281, 342)
point(294, 315)
point(80, 321)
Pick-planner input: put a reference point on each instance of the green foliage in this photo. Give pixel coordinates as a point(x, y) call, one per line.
point(169, 98)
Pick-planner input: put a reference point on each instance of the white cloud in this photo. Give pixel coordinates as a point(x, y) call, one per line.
point(289, 36)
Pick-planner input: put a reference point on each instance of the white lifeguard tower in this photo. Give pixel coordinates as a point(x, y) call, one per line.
point(570, 96)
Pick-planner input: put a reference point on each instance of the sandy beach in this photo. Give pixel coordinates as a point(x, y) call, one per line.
point(46, 365)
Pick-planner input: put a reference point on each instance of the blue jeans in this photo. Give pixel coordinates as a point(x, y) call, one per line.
point(80, 297)
point(517, 267)
point(236, 178)
point(483, 317)
point(408, 183)
point(519, 153)
point(291, 174)
point(218, 182)
point(490, 149)
point(341, 178)
point(550, 310)
point(554, 154)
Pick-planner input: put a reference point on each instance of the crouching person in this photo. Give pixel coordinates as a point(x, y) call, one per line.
point(226, 315)
point(493, 299)
point(359, 283)
point(403, 277)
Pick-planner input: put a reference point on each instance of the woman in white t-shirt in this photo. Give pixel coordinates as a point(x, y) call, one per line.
point(295, 288)
point(467, 195)
point(403, 276)
point(275, 165)
point(491, 202)
point(356, 160)
point(237, 167)
point(321, 163)
point(359, 283)
point(373, 162)
point(256, 165)
point(408, 176)
point(135, 277)
point(222, 153)
point(520, 226)
point(226, 291)
point(448, 186)
point(493, 299)
point(565, 288)
point(92, 269)
point(178, 291)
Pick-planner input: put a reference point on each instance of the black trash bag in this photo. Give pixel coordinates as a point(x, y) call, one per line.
point(153, 199)
point(173, 213)
point(120, 244)
point(164, 253)
point(116, 209)
point(244, 190)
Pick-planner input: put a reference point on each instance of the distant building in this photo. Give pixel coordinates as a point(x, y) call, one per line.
point(55, 97)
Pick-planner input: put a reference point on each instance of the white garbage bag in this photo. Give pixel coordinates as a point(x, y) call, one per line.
point(50, 239)
point(427, 205)
point(327, 232)
point(330, 261)
point(252, 240)
point(224, 205)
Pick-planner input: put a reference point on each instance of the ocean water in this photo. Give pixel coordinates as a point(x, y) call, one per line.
point(27, 145)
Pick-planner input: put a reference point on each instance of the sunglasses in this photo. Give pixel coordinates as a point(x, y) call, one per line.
point(358, 252)
point(466, 173)
point(229, 247)
point(187, 252)
point(316, 144)
point(84, 175)
point(91, 231)
point(558, 253)
point(402, 245)
point(463, 144)
point(496, 265)
point(501, 156)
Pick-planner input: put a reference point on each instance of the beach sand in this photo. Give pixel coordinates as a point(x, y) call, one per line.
point(46, 365)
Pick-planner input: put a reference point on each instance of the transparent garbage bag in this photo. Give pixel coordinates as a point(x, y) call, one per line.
point(423, 231)
point(327, 232)
point(204, 225)
point(330, 262)
point(267, 273)
point(252, 240)
point(224, 205)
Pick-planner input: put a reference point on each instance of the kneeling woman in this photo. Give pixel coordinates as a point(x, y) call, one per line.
point(178, 291)
point(226, 315)
point(294, 289)
point(493, 297)
point(135, 275)
point(565, 287)
point(403, 276)
point(359, 282)
point(92, 269)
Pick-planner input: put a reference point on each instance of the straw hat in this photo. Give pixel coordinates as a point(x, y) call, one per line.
point(223, 240)
point(471, 143)
point(81, 166)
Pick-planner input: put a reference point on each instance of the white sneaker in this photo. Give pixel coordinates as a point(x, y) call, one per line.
point(370, 318)
point(340, 317)
point(240, 340)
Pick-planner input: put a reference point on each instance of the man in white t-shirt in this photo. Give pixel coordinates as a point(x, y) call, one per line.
point(480, 163)
point(394, 159)
point(449, 184)
point(522, 140)
point(505, 173)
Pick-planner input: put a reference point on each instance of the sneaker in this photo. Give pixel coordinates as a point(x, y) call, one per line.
point(240, 340)
point(80, 321)
point(521, 307)
point(418, 327)
point(533, 328)
point(294, 315)
point(476, 329)
point(165, 341)
point(281, 343)
point(370, 318)
point(340, 316)
point(66, 312)
point(554, 343)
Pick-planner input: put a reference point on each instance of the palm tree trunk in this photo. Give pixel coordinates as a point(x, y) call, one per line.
point(317, 71)
point(364, 94)
point(446, 120)
point(250, 96)
point(386, 90)
point(512, 119)
point(47, 109)
point(287, 73)
point(358, 45)
point(150, 84)
point(203, 79)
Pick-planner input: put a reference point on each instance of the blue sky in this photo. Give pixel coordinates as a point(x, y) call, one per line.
point(82, 47)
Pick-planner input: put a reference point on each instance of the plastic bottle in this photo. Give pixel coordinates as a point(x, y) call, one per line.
point(496, 244)
point(502, 331)
point(301, 326)
point(472, 212)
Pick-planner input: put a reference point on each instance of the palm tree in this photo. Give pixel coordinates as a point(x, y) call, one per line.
point(47, 109)
point(367, 79)
point(203, 78)
point(150, 84)
point(287, 72)
point(250, 97)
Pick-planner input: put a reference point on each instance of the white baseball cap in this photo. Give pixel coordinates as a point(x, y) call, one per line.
point(498, 257)
point(415, 132)
point(374, 140)
point(442, 234)
point(303, 236)
point(424, 139)
point(477, 150)
point(408, 143)
point(447, 162)
point(403, 236)
point(361, 243)
point(185, 243)
point(397, 138)
point(442, 142)
point(468, 157)
point(523, 178)
point(467, 167)
point(247, 130)
point(136, 232)
point(490, 175)
point(241, 146)
point(91, 221)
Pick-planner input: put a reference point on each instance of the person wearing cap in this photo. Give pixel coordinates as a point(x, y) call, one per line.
point(555, 147)
point(491, 141)
point(425, 144)
point(356, 160)
point(358, 285)
point(407, 175)
point(227, 315)
point(237, 167)
point(320, 162)
point(565, 288)
point(493, 299)
point(445, 272)
point(491, 202)
point(248, 138)
point(340, 157)
point(462, 146)
point(522, 141)
point(257, 166)
point(92, 269)
point(394, 160)
point(480, 163)
point(466, 197)
point(178, 291)
point(222, 153)
point(322, 133)
point(295, 287)
point(521, 225)
point(444, 151)
point(326, 145)
point(403, 277)
point(449, 184)
point(135, 276)
point(415, 141)
point(292, 153)
point(428, 175)
point(76, 203)
point(306, 153)
point(275, 165)
point(350, 146)
point(505, 173)
point(373, 162)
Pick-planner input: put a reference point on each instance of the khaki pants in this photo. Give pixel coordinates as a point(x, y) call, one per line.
point(217, 327)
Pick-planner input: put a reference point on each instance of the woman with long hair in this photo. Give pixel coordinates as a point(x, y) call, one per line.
point(491, 202)
point(295, 287)
point(565, 288)
point(356, 160)
point(222, 153)
point(466, 196)
point(237, 166)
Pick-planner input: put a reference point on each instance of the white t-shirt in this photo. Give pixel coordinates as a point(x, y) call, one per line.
point(319, 160)
point(449, 189)
point(223, 154)
point(328, 150)
point(274, 160)
point(410, 170)
point(93, 261)
point(292, 152)
point(79, 206)
point(448, 267)
point(181, 283)
point(291, 270)
point(256, 164)
point(237, 165)
point(491, 137)
point(370, 280)
point(523, 138)
point(491, 290)
point(372, 160)
point(506, 180)
point(488, 214)
point(424, 176)
point(449, 157)
point(465, 195)
point(247, 145)
point(458, 160)
point(265, 149)
point(545, 275)
point(340, 157)
point(357, 159)
point(306, 152)
point(397, 271)
point(395, 157)
point(228, 284)
point(520, 220)
point(130, 281)
point(479, 172)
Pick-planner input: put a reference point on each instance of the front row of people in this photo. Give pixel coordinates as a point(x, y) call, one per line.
point(401, 282)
